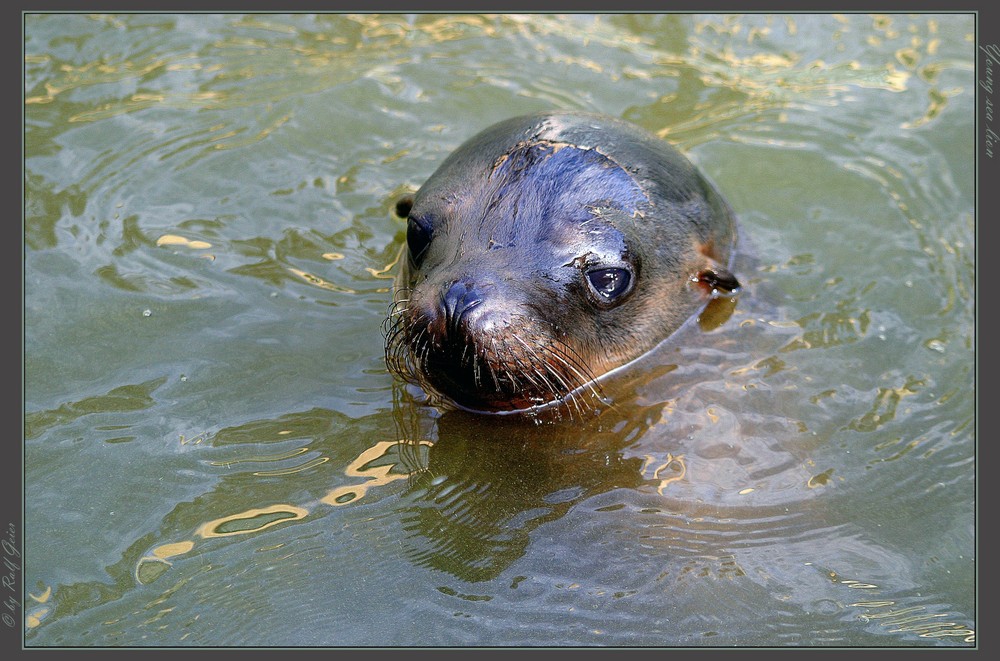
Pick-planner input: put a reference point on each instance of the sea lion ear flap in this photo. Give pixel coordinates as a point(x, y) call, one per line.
point(403, 206)
point(717, 280)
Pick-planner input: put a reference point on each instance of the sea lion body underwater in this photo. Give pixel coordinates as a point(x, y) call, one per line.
point(546, 251)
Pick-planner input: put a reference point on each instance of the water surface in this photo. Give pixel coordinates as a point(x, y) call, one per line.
point(216, 455)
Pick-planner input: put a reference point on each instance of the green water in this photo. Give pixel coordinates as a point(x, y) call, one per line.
point(212, 442)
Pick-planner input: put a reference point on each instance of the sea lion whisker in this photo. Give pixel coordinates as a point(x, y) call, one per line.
point(401, 291)
point(396, 332)
point(569, 394)
point(574, 359)
point(489, 365)
point(398, 307)
point(404, 350)
point(391, 321)
point(394, 349)
point(565, 390)
point(493, 375)
point(398, 311)
point(476, 370)
point(532, 374)
point(422, 351)
point(510, 355)
point(570, 355)
point(586, 380)
point(565, 398)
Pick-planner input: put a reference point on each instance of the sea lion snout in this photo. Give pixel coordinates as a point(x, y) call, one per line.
point(465, 312)
point(462, 312)
point(459, 299)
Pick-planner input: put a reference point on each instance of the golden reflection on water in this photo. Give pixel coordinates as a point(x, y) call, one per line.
point(754, 75)
point(820, 480)
point(884, 407)
point(317, 281)
point(253, 520)
point(914, 619)
point(312, 463)
point(676, 465)
point(165, 551)
point(258, 21)
point(377, 475)
point(34, 615)
point(937, 101)
point(903, 618)
point(261, 458)
point(771, 81)
point(385, 273)
point(765, 80)
point(175, 240)
point(34, 618)
point(156, 562)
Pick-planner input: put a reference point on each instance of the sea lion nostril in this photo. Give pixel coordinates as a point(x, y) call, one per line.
point(460, 297)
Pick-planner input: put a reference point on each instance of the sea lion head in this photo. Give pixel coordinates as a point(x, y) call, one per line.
point(545, 252)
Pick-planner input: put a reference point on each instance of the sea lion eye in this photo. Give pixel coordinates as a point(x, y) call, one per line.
point(609, 283)
point(418, 237)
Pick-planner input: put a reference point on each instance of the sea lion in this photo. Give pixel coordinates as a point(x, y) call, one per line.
point(543, 253)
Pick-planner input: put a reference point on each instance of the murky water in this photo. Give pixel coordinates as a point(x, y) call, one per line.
point(216, 455)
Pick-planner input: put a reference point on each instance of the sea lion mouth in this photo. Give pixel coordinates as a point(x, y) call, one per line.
point(518, 367)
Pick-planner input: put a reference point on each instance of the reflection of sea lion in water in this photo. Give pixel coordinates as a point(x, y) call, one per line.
point(546, 251)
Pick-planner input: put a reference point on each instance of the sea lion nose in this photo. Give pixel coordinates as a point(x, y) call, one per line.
point(461, 297)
